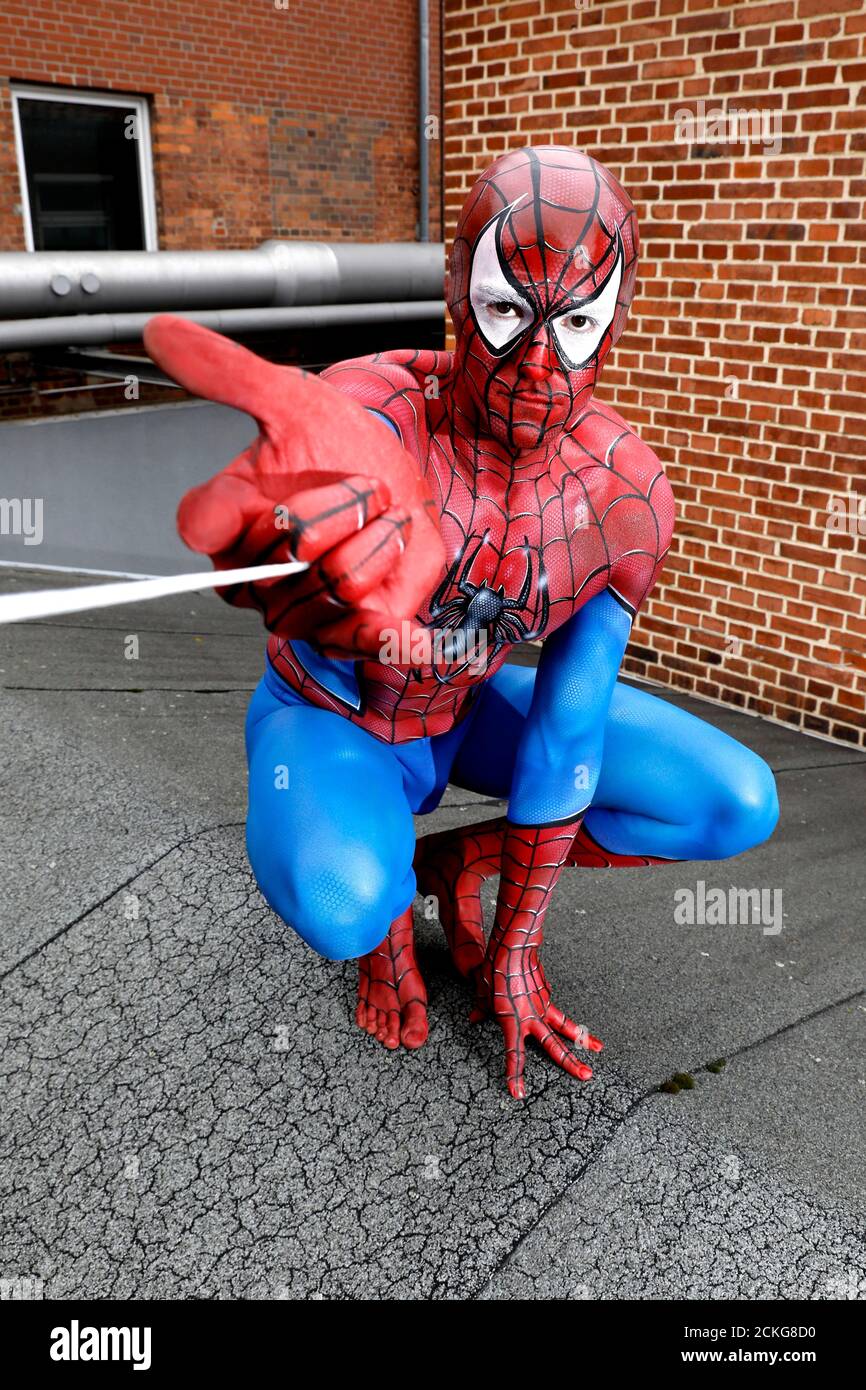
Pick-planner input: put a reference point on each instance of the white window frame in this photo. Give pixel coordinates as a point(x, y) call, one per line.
point(90, 98)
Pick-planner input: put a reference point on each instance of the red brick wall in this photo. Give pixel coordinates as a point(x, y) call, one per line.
point(266, 121)
point(744, 364)
point(296, 122)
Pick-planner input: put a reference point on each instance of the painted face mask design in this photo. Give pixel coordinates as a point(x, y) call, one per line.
point(542, 274)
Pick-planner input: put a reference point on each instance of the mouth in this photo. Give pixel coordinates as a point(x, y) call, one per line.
point(532, 391)
point(533, 401)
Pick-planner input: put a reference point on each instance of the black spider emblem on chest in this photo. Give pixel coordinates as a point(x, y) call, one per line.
point(482, 616)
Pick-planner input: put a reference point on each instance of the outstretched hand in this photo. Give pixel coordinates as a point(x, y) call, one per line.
point(324, 482)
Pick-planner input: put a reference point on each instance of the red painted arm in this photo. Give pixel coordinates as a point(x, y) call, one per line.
point(512, 984)
point(324, 482)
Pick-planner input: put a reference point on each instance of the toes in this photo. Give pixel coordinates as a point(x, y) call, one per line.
point(381, 1024)
point(390, 1027)
point(414, 1031)
point(388, 1031)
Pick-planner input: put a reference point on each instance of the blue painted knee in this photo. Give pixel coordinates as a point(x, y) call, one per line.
point(342, 909)
point(745, 810)
point(329, 832)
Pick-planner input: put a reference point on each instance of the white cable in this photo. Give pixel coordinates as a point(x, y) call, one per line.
point(50, 603)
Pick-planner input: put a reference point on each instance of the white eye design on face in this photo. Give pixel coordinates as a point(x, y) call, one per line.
point(501, 312)
point(579, 331)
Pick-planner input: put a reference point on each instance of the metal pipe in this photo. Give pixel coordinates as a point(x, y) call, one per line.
point(45, 283)
point(423, 114)
point(21, 334)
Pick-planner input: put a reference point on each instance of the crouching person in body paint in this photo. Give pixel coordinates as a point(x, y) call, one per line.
point(521, 509)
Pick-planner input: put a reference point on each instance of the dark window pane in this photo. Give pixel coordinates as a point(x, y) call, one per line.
point(82, 176)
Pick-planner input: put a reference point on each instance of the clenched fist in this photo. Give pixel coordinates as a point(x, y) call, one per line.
point(325, 482)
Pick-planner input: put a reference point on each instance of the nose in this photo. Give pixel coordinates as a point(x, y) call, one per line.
point(539, 362)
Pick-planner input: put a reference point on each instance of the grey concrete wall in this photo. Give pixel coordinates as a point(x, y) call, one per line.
point(110, 483)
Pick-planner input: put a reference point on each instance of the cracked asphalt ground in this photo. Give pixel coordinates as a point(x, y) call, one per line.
point(189, 1111)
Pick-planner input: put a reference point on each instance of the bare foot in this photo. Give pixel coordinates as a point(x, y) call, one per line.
point(392, 998)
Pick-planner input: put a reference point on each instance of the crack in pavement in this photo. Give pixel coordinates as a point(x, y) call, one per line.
point(558, 1197)
point(113, 892)
point(647, 1095)
point(273, 1144)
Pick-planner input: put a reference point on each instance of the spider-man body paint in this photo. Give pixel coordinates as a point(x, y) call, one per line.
point(550, 508)
point(555, 520)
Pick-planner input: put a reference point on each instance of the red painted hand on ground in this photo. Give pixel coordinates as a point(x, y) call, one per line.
point(513, 989)
point(511, 984)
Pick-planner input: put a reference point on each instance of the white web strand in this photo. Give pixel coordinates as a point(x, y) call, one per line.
point(52, 603)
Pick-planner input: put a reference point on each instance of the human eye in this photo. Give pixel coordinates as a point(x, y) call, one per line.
point(501, 306)
point(504, 308)
point(580, 330)
point(500, 314)
point(579, 323)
